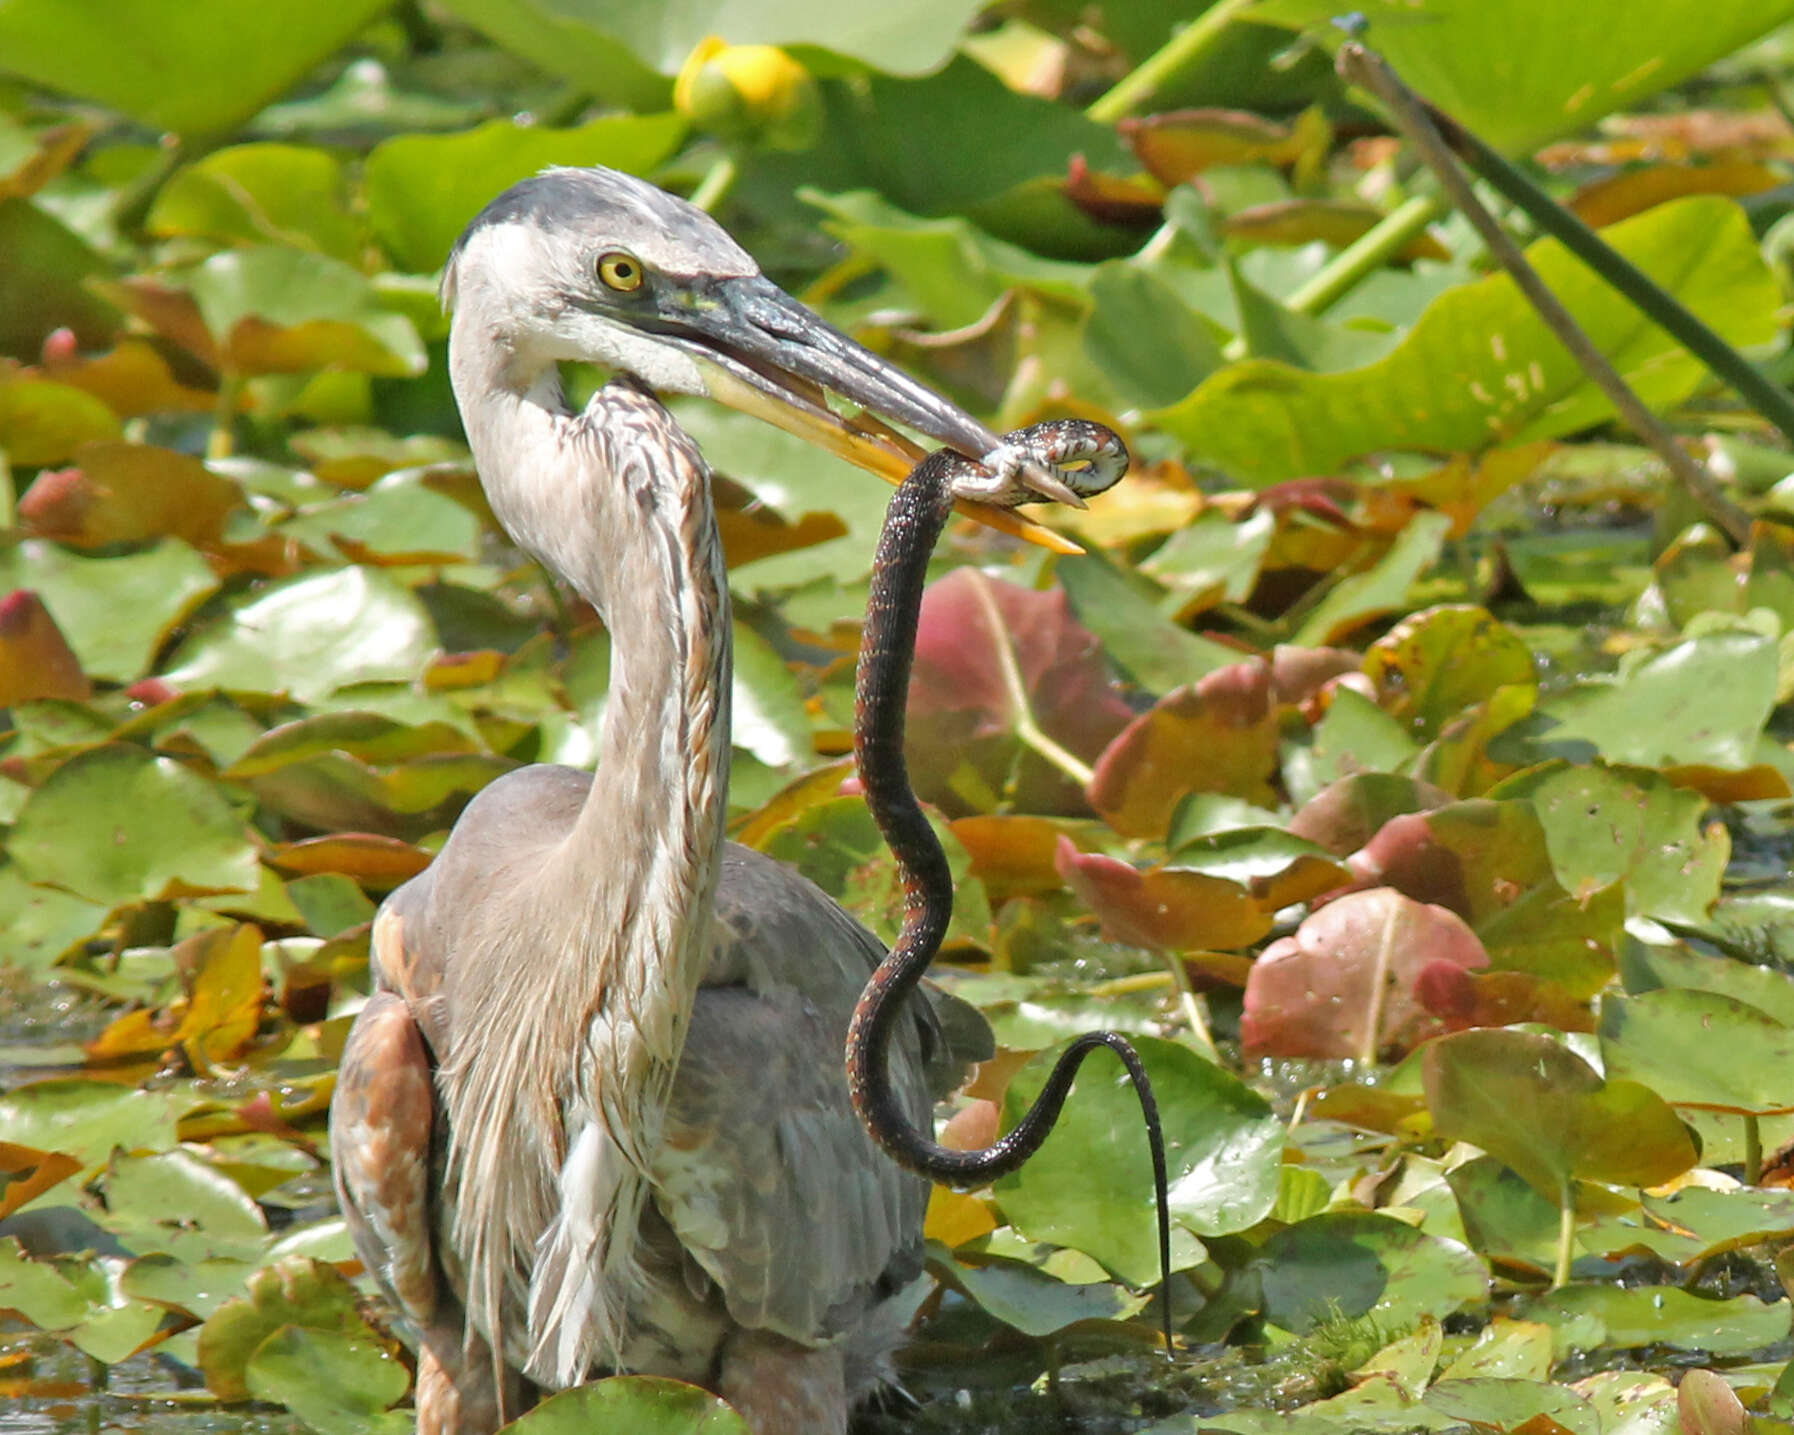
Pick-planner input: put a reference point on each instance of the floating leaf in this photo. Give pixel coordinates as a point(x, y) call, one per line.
point(1487, 861)
point(1627, 824)
point(310, 636)
point(640, 1404)
point(1624, 1318)
point(35, 659)
point(115, 612)
point(1542, 1109)
point(254, 193)
point(118, 824)
point(175, 1203)
point(1533, 69)
point(962, 742)
point(129, 493)
point(1441, 661)
point(1347, 984)
point(26, 1173)
point(1218, 735)
point(1480, 368)
point(1698, 1048)
point(1354, 1264)
point(216, 62)
point(337, 1382)
point(295, 1293)
point(1704, 700)
point(1090, 1186)
point(1036, 1303)
point(43, 422)
point(88, 1119)
point(1167, 909)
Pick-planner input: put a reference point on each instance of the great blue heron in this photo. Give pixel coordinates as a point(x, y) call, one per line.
point(593, 1116)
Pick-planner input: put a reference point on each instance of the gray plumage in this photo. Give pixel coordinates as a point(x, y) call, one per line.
point(594, 1116)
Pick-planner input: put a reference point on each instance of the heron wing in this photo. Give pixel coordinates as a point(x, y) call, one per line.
point(766, 1175)
point(382, 1124)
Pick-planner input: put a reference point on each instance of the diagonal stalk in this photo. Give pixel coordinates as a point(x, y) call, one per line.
point(1026, 728)
point(1364, 67)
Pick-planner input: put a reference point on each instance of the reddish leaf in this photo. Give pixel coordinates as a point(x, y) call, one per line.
point(36, 661)
point(374, 861)
point(1488, 862)
point(1350, 981)
point(26, 1173)
point(1109, 199)
point(1012, 856)
point(1180, 144)
point(962, 746)
point(1169, 909)
point(1298, 674)
point(1346, 814)
point(129, 493)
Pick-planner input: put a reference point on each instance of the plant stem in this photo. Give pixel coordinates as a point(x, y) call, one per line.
point(1016, 691)
point(1364, 67)
point(1365, 255)
point(1143, 83)
point(1566, 1232)
point(1768, 399)
point(1379, 979)
point(715, 185)
point(222, 441)
point(1753, 1150)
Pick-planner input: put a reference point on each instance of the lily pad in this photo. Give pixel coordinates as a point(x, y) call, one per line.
point(1480, 369)
point(1090, 1186)
point(337, 1382)
point(648, 1404)
point(1700, 1049)
point(1543, 1110)
point(310, 636)
point(118, 824)
point(1355, 1264)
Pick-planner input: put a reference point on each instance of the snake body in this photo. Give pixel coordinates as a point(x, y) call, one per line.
point(1089, 457)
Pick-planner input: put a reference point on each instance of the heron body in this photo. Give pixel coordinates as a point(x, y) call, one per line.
point(593, 1117)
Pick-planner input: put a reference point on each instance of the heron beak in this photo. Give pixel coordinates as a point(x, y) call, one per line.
point(763, 352)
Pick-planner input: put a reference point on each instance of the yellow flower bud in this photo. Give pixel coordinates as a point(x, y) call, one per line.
point(749, 92)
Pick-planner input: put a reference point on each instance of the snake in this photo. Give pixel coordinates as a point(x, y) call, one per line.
point(1088, 457)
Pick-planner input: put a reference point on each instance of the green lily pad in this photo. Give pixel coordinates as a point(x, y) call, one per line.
point(115, 612)
point(1627, 824)
point(1542, 1109)
point(278, 310)
point(1122, 609)
point(44, 422)
point(117, 824)
point(310, 636)
point(42, 286)
point(1090, 1186)
point(174, 1203)
point(1381, 589)
point(1528, 70)
point(1623, 1318)
point(1487, 861)
point(1700, 1049)
point(254, 193)
point(1034, 1302)
point(1480, 368)
point(43, 922)
point(1508, 1404)
point(640, 1404)
point(196, 69)
point(1646, 968)
point(335, 1381)
point(89, 1119)
point(1355, 1264)
point(1704, 700)
point(423, 189)
point(292, 1293)
point(1354, 739)
point(196, 1287)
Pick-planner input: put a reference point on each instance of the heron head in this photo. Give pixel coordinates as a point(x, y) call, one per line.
point(598, 266)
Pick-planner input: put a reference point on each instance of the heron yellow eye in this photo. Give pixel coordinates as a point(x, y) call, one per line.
point(619, 271)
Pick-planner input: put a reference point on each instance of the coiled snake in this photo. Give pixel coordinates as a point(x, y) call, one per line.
point(1089, 458)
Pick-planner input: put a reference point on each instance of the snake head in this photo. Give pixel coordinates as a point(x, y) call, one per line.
point(1061, 461)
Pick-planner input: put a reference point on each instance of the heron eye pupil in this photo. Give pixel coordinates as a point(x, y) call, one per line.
point(619, 271)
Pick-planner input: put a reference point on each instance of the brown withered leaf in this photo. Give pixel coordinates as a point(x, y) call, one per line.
point(1168, 909)
point(36, 661)
point(129, 493)
point(1217, 735)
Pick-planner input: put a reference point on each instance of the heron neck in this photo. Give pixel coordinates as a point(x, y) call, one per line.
point(593, 991)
